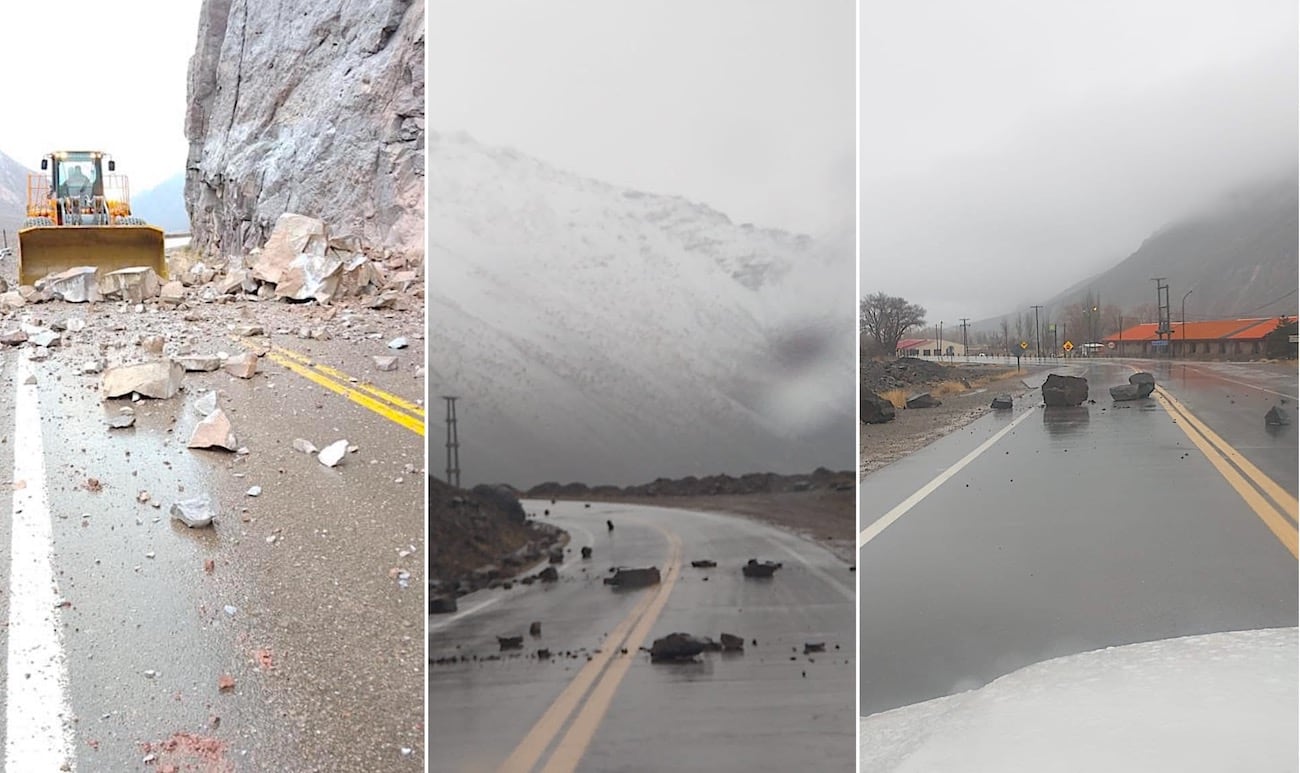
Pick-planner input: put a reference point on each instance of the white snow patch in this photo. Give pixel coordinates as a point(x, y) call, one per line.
point(1217, 702)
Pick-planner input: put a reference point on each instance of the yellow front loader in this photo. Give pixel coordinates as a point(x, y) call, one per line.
point(78, 216)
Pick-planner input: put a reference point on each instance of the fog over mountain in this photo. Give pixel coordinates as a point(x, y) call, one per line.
point(1020, 150)
point(610, 335)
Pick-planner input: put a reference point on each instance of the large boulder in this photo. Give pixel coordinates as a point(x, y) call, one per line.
point(1064, 391)
point(1276, 417)
point(756, 568)
point(1145, 382)
point(1001, 403)
point(634, 578)
point(503, 497)
point(923, 400)
point(1126, 392)
point(677, 647)
point(874, 408)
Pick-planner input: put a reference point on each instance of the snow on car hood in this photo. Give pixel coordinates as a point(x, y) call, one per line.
point(1222, 701)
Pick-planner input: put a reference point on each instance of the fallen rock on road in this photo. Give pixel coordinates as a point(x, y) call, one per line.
point(160, 379)
point(756, 568)
point(1064, 391)
point(634, 578)
point(214, 432)
point(194, 513)
point(676, 648)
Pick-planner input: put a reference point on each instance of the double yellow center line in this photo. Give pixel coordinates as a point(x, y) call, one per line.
point(594, 686)
point(1279, 511)
point(390, 406)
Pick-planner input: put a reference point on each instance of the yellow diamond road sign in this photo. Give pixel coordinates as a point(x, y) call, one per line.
point(1068, 346)
point(1024, 344)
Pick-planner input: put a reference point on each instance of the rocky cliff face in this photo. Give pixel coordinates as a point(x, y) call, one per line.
point(315, 108)
point(13, 196)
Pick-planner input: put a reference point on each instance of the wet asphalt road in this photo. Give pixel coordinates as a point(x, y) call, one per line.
point(771, 708)
point(301, 608)
point(1079, 529)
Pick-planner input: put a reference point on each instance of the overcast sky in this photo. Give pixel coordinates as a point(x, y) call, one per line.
point(83, 75)
point(1010, 149)
point(744, 105)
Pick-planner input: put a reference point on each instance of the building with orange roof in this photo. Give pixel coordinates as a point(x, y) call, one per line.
point(1217, 339)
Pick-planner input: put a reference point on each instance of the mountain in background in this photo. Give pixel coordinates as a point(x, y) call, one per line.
point(13, 196)
point(164, 205)
point(1237, 255)
point(606, 335)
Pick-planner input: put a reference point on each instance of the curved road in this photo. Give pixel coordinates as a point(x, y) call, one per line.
point(591, 707)
point(1037, 533)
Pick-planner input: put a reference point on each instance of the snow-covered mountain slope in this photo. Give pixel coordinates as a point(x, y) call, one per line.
point(601, 334)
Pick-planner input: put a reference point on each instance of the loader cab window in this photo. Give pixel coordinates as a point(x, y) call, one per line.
point(76, 177)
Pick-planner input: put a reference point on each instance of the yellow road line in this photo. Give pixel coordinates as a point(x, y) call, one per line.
point(1267, 512)
point(341, 376)
point(1289, 505)
point(412, 423)
point(574, 745)
point(539, 738)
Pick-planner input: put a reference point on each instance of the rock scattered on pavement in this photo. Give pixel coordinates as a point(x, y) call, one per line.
point(242, 365)
point(756, 568)
point(1064, 391)
point(333, 453)
point(160, 379)
point(634, 578)
point(214, 431)
point(194, 513)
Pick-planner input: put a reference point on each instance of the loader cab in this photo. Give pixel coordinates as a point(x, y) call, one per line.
point(76, 173)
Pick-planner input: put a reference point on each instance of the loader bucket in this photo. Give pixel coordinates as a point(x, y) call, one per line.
point(44, 250)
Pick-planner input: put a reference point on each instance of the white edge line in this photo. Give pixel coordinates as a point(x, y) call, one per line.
point(37, 716)
point(825, 576)
point(882, 523)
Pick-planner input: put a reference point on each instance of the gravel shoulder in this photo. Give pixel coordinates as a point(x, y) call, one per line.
point(912, 430)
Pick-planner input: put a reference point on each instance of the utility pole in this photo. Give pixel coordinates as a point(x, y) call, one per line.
point(965, 323)
point(453, 443)
point(1183, 324)
point(1163, 329)
point(1038, 336)
point(940, 338)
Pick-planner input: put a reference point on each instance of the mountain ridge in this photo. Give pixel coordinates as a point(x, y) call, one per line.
point(569, 313)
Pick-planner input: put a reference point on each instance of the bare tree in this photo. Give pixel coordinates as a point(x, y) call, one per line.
point(887, 318)
point(1006, 336)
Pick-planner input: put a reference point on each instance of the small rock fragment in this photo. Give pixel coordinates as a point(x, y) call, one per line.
point(121, 422)
point(206, 404)
point(226, 683)
point(199, 363)
point(305, 446)
point(214, 432)
point(385, 363)
point(194, 513)
point(333, 453)
point(398, 343)
point(242, 365)
point(254, 491)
